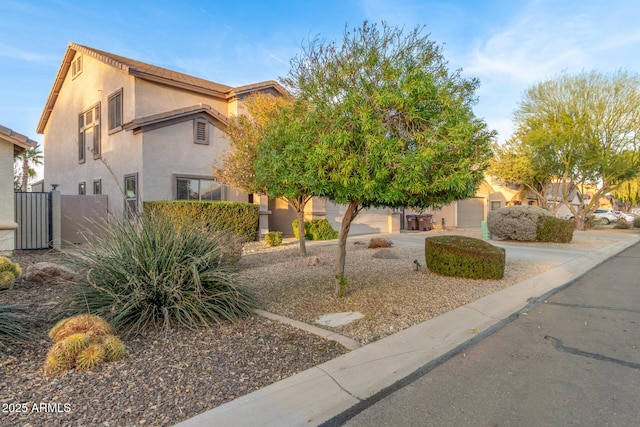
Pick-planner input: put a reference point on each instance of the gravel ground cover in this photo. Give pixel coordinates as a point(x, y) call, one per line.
point(170, 378)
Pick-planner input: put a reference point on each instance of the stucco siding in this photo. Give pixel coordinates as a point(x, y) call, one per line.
point(6, 195)
point(153, 98)
point(120, 150)
point(170, 151)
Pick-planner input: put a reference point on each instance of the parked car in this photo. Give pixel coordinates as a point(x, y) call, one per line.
point(604, 216)
point(629, 217)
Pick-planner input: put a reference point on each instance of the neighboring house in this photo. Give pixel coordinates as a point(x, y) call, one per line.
point(11, 145)
point(137, 132)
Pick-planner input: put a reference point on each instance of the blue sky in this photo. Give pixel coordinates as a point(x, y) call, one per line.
point(509, 45)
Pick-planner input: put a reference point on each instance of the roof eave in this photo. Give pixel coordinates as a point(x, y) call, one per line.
point(162, 80)
point(55, 89)
point(255, 87)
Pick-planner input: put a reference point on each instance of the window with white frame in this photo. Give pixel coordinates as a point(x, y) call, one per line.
point(89, 133)
point(198, 189)
point(76, 66)
point(115, 111)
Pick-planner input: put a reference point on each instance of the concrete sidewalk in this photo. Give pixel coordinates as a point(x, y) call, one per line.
point(318, 394)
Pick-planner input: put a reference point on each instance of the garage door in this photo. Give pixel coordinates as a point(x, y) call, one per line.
point(470, 212)
point(368, 221)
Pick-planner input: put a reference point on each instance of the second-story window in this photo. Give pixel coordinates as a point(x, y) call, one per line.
point(115, 111)
point(76, 66)
point(89, 133)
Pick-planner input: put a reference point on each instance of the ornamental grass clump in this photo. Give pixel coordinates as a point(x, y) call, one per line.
point(156, 272)
point(82, 342)
point(13, 324)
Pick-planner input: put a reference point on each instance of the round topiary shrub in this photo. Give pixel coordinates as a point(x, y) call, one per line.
point(466, 257)
point(515, 222)
point(273, 238)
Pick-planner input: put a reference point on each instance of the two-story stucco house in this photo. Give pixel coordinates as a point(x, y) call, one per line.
point(137, 132)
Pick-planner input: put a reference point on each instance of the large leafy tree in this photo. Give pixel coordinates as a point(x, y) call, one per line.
point(283, 160)
point(586, 129)
point(513, 164)
point(393, 125)
point(628, 193)
point(245, 132)
point(27, 159)
point(265, 113)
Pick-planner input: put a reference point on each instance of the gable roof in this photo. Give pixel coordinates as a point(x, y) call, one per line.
point(20, 142)
point(148, 72)
point(166, 118)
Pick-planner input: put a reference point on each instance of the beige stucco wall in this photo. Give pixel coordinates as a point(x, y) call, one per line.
point(170, 151)
point(6, 197)
point(120, 150)
point(153, 98)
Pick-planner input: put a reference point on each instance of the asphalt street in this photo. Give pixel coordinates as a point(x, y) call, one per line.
point(572, 358)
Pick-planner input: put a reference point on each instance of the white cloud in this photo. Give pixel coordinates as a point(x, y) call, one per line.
point(11, 52)
point(542, 40)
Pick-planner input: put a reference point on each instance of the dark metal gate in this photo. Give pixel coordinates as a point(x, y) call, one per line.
point(33, 215)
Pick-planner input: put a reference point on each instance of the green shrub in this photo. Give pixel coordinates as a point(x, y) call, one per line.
point(273, 238)
point(13, 324)
point(321, 229)
point(9, 272)
point(515, 222)
point(552, 229)
point(232, 217)
point(466, 257)
point(296, 232)
point(621, 224)
point(316, 229)
point(155, 272)
point(636, 222)
point(589, 222)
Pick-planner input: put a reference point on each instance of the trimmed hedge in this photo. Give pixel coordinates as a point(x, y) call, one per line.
point(232, 217)
point(552, 229)
point(316, 229)
point(465, 257)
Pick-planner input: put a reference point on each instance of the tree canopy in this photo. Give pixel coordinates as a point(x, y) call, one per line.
point(27, 159)
point(585, 129)
point(246, 131)
point(391, 124)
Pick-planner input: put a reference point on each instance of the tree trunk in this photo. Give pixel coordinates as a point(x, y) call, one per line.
point(347, 219)
point(25, 174)
point(300, 215)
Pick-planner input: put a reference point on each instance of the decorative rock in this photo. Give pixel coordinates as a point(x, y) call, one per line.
point(339, 319)
point(49, 273)
point(313, 261)
point(385, 253)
